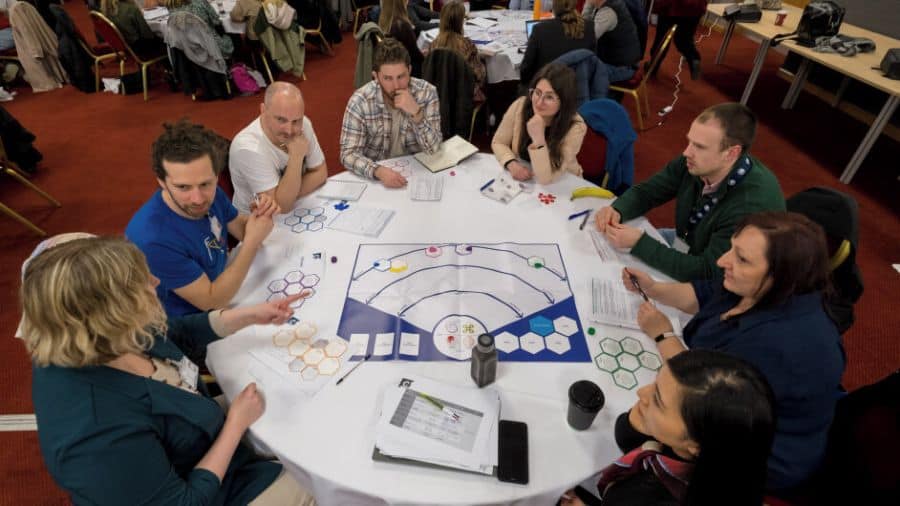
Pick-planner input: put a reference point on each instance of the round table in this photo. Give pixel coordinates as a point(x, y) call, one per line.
point(326, 442)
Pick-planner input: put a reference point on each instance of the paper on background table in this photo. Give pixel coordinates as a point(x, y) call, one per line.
point(426, 187)
point(155, 13)
point(362, 220)
point(481, 22)
point(337, 189)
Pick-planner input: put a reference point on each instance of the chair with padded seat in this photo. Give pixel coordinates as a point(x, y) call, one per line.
point(10, 168)
point(637, 85)
point(111, 34)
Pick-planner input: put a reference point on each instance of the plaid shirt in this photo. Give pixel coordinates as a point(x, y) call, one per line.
point(366, 130)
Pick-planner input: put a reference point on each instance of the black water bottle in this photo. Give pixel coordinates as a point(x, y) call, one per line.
point(484, 360)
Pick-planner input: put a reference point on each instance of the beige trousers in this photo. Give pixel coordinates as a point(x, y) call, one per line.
point(284, 491)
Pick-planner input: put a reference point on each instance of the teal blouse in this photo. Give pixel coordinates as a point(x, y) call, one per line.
point(110, 437)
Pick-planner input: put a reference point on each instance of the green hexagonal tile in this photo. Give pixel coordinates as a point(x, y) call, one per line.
point(631, 345)
point(606, 362)
point(610, 346)
point(650, 360)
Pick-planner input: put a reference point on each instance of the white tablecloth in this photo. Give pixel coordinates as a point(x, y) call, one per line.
point(499, 44)
point(327, 443)
point(223, 7)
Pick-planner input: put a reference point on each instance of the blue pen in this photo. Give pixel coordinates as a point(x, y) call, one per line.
point(486, 185)
point(582, 213)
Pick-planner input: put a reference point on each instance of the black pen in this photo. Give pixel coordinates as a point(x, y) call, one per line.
point(634, 281)
point(367, 357)
point(584, 221)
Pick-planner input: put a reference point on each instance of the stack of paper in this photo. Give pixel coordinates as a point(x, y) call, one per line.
point(438, 424)
point(155, 13)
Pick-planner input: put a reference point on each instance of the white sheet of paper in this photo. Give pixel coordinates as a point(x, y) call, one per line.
point(384, 344)
point(359, 220)
point(337, 189)
point(606, 250)
point(426, 187)
point(409, 344)
point(481, 22)
point(612, 303)
point(359, 343)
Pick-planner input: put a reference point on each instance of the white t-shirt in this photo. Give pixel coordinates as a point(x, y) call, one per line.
point(257, 165)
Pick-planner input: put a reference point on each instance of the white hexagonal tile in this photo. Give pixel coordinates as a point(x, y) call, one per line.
point(321, 218)
point(309, 280)
point(536, 262)
point(301, 212)
point(532, 343)
point(382, 265)
point(629, 362)
point(506, 342)
point(631, 345)
point(293, 288)
point(306, 220)
point(299, 228)
point(275, 296)
point(317, 211)
point(313, 356)
point(433, 251)
point(297, 304)
point(336, 347)
point(610, 346)
point(293, 277)
point(606, 362)
point(278, 285)
point(650, 360)
point(305, 330)
point(329, 365)
point(565, 325)
point(558, 343)
point(283, 337)
point(463, 249)
point(310, 373)
point(296, 365)
point(291, 220)
point(315, 226)
point(624, 379)
point(319, 343)
point(298, 347)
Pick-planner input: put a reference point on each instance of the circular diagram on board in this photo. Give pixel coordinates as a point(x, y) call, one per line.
point(455, 336)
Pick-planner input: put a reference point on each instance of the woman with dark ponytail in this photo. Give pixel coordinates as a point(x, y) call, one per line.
point(552, 38)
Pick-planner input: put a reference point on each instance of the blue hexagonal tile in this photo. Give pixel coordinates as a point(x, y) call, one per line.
point(541, 326)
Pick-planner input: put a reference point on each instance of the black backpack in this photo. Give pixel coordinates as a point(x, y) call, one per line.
point(819, 19)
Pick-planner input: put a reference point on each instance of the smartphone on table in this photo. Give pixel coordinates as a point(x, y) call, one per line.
point(512, 452)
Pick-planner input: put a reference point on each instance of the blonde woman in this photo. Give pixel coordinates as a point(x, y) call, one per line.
point(123, 419)
point(450, 36)
point(394, 21)
point(204, 11)
point(134, 29)
point(555, 37)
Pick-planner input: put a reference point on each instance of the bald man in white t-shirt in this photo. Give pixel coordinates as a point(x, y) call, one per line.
point(278, 153)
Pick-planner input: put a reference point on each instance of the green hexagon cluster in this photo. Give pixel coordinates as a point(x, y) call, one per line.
point(622, 358)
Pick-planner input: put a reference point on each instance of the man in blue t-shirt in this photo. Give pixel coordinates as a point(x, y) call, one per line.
point(183, 228)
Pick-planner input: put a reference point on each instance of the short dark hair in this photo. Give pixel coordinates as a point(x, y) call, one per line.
point(796, 252)
point(184, 142)
point(738, 123)
point(728, 410)
point(390, 51)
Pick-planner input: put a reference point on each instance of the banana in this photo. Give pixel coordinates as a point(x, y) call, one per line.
point(592, 191)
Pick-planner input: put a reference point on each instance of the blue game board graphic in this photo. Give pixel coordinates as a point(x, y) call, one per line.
point(431, 301)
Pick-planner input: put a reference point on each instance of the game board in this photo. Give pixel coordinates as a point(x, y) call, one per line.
point(431, 301)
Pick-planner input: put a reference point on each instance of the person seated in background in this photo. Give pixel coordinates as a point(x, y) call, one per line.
point(393, 115)
point(203, 10)
point(123, 418)
point(420, 15)
point(555, 37)
point(245, 11)
point(769, 311)
point(130, 21)
point(540, 135)
point(394, 21)
point(715, 183)
point(278, 154)
point(183, 228)
point(451, 37)
point(528, 5)
point(709, 421)
point(618, 44)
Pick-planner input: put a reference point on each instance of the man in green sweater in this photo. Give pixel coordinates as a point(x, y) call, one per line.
point(715, 183)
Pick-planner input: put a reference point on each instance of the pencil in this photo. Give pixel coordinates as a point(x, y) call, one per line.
point(342, 378)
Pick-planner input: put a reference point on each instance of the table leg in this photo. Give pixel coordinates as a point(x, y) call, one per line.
point(726, 38)
point(757, 66)
point(887, 111)
point(797, 85)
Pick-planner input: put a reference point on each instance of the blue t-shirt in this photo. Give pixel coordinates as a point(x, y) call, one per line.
point(797, 348)
point(179, 250)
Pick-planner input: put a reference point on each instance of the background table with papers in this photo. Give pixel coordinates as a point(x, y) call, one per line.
point(158, 17)
point(327, 442)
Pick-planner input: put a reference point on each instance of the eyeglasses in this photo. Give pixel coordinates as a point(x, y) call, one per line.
point(546, 96)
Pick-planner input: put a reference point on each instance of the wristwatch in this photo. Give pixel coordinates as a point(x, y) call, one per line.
point(662, 337)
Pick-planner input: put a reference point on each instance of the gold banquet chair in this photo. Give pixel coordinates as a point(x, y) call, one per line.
point(637, 85)
point(11, 169)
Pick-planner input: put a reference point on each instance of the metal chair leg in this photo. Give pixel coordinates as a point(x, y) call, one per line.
point(21, 219)
point(144, 80)
point(97, 75)
point(637, 105)
point(265, 61)
point(31, 185)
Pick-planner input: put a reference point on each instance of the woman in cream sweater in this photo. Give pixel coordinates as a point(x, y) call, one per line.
point(541, 133)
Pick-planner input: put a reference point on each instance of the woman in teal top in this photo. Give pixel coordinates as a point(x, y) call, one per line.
point(122, 418)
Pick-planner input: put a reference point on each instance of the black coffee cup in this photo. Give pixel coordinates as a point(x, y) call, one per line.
point(585, 401)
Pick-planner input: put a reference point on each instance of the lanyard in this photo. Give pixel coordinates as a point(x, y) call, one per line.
point(708, 202)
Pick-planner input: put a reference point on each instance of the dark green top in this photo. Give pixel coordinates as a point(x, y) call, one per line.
point(758, 191)
point(110, 437)
point(130, 21)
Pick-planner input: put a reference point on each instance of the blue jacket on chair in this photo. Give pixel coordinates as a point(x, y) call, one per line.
point(611, 119)
point(587, 67)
